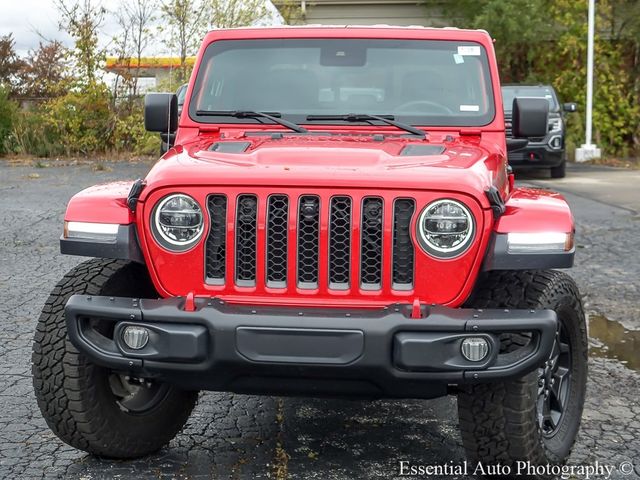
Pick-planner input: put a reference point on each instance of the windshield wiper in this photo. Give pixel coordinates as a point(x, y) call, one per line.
point(273, 116)
point(363, 117)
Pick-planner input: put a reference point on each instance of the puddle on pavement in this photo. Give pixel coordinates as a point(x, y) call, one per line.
point(614, 341)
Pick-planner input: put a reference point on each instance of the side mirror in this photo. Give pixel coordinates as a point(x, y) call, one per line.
point(161, 112)
point(570, 107)
point(530, 117)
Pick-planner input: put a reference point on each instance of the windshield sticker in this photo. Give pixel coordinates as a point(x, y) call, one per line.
point(469, 108)
point(458, 58)
point(472, 50)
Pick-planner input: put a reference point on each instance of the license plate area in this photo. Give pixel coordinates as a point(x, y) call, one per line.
point(299, 345)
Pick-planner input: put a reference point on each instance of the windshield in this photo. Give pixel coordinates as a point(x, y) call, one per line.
point(510, 93)
point(182, 94)
point(416, 81)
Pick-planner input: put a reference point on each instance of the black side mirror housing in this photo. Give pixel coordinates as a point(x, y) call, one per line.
point(570, 107)
point(161, 112)
point(530, 117)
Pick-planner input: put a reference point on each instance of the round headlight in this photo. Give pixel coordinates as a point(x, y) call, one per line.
point(177, 222)
point(445, 228)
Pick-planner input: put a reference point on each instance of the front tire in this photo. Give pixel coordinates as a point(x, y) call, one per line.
point(560, 171)
point(533, 419)
point(89, 407)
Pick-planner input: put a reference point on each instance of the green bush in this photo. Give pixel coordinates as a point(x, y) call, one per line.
point(130, 135)
point(31, 135)
point(8, 111)
point(82, 122)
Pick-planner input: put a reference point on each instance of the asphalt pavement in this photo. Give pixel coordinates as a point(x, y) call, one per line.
point(235, 436)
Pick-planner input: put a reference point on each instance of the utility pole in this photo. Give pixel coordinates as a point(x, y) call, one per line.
point(588, 150)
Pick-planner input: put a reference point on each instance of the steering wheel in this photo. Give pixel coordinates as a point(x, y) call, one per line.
point(411, 106)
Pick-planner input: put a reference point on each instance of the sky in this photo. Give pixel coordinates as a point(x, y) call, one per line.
point(30, 20)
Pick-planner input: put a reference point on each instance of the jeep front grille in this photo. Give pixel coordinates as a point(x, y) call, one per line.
point(281, 241)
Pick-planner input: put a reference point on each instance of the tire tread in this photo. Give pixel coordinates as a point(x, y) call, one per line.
point(62, 376)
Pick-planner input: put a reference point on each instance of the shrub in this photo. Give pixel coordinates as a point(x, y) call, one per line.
point(130, 135)
point(30, 135)
point(82, 121)
point(8, 111)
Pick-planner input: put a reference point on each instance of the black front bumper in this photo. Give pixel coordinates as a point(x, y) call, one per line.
point(536, 155)
point(267, 350)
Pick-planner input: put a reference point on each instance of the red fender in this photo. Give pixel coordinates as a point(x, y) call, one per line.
point(530, 210)
point(105, 203)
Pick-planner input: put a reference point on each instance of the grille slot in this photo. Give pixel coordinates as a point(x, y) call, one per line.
point(403, 253)
point(339, 243)
point(371, 244)
point(277, 230)
point(308, 241)
point(246, 233)
point(216, 246)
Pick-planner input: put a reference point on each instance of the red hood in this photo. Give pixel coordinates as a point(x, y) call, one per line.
point(467, 164)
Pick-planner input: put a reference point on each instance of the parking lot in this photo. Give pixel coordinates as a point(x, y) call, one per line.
point(264, 437)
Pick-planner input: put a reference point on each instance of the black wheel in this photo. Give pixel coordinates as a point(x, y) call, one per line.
point(560, 171)
point(535, 418)
point(89, 407)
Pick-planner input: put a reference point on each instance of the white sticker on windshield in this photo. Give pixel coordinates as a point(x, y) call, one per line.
point(458, 58)
point(473, 50)
point(469, 108)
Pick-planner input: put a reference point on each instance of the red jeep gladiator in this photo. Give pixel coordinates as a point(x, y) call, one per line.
point(336, 216)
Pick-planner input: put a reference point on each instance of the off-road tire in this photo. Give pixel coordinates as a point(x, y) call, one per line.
point(74, 395)
point(560, 171)
point(498, 421)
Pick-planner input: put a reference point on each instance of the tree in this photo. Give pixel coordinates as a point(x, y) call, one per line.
point(521, 28)
point(44, 72)
point(187, 22)
point(135, 18)
point(237, 13)
point(10, 64)
point(615, 107)
point(291, 12)
point(82, 20)
point(122, 42)
point(545, 41)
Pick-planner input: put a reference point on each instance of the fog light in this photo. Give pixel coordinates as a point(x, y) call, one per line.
point(135, 337)
point(475, 349)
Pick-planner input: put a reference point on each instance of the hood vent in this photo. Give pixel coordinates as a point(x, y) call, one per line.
point(229, 147)
point(421, 150)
